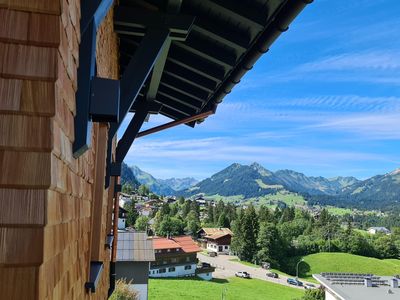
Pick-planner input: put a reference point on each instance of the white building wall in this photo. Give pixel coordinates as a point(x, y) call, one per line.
point(142, 289)
point(121, 223)
point(205, 276)
point(214, 247)
point(179, 271)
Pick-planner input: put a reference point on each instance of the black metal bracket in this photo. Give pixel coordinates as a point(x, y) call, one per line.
point(109, 241)
point(93, 94)
point(96, 268)
point(158, 30)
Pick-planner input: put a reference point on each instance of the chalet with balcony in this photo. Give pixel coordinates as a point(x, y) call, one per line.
point(215, 239)
point(175, 257)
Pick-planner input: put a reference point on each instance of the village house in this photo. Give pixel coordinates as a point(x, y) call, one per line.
point(134, 254)
point(375, 230)
point(215, 239)
point(122, 216)
point(177, 257)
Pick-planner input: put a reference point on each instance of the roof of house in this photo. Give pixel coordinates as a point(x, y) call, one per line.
point(346, 286)
point(378, 228)
point(134, 246)
point(217, 230)
point(224, 41)
point(185, 243)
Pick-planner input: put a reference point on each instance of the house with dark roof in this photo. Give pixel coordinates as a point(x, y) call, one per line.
point(177, 257)
point(134, 254)
point(215, 239)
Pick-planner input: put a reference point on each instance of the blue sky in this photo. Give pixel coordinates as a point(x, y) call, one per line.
point(324, 101)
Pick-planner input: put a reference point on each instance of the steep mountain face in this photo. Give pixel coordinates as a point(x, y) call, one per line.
point(249, 181)
point(127, 176)
point(178, 184)
point(154, 184)
point(300, 183)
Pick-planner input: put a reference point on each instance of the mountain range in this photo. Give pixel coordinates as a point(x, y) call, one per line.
point(162, 186)
point(249, 181)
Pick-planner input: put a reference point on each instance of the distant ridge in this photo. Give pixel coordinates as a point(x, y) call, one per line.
point(249, 181)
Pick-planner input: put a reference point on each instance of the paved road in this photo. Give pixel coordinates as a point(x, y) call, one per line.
point(226, 268)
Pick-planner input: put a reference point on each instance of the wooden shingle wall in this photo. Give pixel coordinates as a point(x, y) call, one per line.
point(46, 195)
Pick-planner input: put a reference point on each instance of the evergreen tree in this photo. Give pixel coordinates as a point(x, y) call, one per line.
point(132, 213)
point(250, 234)
point(238, 234)
point(210, 213)
point(269, 244)
point(223, 221)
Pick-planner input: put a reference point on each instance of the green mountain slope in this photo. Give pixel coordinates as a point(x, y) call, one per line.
point(127, 176)
point(154, 185)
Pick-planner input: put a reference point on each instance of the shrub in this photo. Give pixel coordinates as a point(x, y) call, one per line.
point(123, 291)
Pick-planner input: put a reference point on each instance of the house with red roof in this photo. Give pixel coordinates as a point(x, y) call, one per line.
point(177, 257)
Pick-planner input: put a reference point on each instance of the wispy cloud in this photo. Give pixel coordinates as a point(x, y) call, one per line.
point(376, 127)
point(376, 60)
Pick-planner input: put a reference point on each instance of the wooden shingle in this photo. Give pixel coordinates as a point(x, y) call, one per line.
point(41, 6)
point(44, 30)
point(30, 62)
point(14, 26)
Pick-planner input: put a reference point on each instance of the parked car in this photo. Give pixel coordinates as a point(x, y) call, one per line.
point(294, 282)
point(272, 275)
point(205, 265)
point(265, 265)
point(242, 274)
point(212, 254)
point(308, 286)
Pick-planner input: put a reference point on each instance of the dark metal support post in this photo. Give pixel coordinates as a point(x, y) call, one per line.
point(138, 70)
point(130, 134)
point(86, 70)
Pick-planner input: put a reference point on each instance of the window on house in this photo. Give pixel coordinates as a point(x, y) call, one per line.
point(164, 262)
point(172, 269)
point(168, 250)
point(226, 247)
point(188, 267)
point(188, 258)
point(163, 270)
point(174, 260)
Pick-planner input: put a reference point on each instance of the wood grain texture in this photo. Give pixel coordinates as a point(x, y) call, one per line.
point(18, 283)
point(21, 246)
point(44, 30)
point(42, 6)
point(29, 62)
point(22, 207)
point(14, 26)
point(24, 169)
point(28, 133)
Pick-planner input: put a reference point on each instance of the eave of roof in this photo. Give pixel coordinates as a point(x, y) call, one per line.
point(227, 39)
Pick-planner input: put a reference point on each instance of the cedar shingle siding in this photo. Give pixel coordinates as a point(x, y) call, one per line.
point(46, 195)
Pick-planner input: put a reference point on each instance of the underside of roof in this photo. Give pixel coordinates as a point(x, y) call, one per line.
point(225, 40)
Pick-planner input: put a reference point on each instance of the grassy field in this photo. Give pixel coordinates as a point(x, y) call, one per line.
point(233, 288)
point(338, 262)
point(344, 262)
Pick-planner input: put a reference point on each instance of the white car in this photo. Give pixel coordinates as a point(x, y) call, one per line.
point(242, 274)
